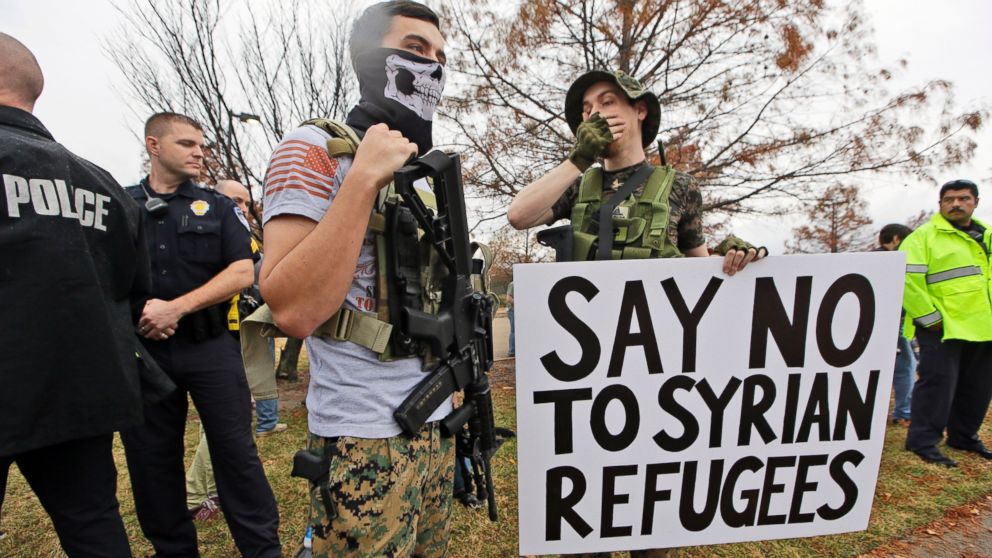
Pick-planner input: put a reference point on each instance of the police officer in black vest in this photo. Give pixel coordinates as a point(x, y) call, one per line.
point(200, 257)
point(71, 256)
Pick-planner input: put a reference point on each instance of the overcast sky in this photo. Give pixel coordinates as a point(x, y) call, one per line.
point(82, 103)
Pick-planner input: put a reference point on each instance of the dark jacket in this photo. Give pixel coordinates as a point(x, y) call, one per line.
point(72, 257)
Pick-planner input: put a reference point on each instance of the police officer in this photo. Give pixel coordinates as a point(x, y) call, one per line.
point(200, 257)
point(71, 255)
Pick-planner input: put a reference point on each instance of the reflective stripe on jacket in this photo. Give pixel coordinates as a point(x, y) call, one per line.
point(947, 279)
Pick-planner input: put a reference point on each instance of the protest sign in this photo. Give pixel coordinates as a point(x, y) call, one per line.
point(661, 403)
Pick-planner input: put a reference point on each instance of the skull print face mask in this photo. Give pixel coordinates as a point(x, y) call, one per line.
point(401, 90)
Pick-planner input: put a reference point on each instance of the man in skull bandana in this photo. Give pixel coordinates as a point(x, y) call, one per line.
point(390, 495)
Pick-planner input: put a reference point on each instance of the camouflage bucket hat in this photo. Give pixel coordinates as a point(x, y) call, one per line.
point(630, 86)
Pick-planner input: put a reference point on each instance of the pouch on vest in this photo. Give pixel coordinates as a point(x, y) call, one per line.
point(640, 226)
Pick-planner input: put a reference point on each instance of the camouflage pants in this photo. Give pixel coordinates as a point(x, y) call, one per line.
point(392, 496)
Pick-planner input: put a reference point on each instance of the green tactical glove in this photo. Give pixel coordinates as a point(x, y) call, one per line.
point(734, 243)
point(591, 138)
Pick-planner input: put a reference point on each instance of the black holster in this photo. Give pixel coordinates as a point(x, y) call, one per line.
point(204, 324)
point(316, 468)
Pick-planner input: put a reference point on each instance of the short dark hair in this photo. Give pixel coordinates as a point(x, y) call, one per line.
point(157, 124)
point(376, 20)
point(960, 184)
point(891, 231)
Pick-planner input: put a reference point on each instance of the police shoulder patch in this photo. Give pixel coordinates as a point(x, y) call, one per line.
point(241, 217)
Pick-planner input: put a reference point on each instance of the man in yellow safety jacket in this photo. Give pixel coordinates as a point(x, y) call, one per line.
point(948, 297)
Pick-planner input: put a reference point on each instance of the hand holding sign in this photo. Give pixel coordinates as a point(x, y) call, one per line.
point(663, 406)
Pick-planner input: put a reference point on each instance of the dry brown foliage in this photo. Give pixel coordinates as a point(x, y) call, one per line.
point(512, 247)
point(764, 101)
point(836, 222)
point(212, 60)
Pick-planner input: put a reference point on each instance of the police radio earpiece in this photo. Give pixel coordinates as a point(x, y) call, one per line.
point(156, 207)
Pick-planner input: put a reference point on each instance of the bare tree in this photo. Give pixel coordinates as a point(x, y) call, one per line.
point(281, 66)
point(915, 221)
point(762, 99)
point(835, 223)
point(512, 247)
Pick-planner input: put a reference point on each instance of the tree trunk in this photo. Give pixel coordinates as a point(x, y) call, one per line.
point(289, 360)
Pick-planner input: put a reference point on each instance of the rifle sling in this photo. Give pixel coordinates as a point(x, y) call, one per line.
point(605, 249)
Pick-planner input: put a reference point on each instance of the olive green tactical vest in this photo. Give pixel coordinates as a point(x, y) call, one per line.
point(372, 330)
point(640, 223)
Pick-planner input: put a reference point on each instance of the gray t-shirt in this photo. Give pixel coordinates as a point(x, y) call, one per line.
point(351, 393)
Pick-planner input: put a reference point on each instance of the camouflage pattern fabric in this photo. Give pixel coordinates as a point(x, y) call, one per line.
point(685, 221)
point(392, 496)
point(631, 87)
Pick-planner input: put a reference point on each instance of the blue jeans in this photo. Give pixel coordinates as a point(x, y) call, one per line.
point(512, 345)
point(267, 413)
point(459, 479)
point(903, 379)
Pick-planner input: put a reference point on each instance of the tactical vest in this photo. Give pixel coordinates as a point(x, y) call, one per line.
point(407, 254)
point(640, 223)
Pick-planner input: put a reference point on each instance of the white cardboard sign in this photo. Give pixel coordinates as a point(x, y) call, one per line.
point(661, 403)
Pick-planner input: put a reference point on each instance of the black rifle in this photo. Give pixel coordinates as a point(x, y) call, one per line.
point(460, 334)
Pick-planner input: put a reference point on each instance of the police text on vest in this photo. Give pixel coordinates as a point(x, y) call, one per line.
point(55, 198)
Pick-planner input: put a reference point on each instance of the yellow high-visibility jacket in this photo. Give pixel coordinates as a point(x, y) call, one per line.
point(947, 279)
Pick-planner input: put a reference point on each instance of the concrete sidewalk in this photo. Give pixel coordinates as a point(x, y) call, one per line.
point(501, 335)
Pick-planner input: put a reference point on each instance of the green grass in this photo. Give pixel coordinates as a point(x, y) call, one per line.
point(909, 494)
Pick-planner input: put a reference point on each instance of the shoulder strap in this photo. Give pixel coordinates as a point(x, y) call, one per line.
point(591, 187)
point(658, 185)
point(344, 140)
point(590, 194)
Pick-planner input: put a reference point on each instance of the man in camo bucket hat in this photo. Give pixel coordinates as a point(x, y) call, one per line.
point(630, 87)
point(615, 119)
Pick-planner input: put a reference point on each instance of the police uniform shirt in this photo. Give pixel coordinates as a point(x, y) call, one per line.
point(71, 258)
point(202, 234)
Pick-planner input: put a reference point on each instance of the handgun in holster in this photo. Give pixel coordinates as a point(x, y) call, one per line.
point(316, 469)
point(204, 324)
